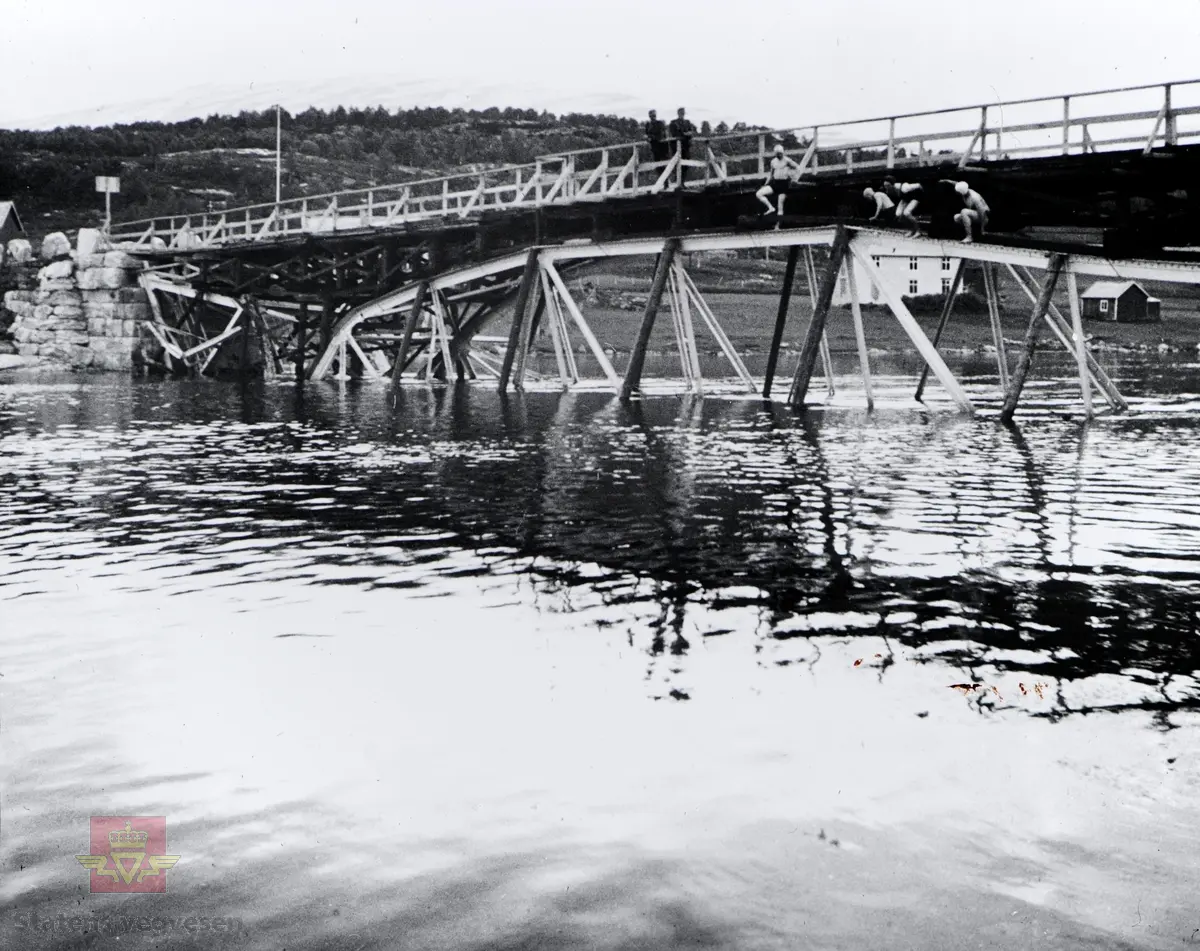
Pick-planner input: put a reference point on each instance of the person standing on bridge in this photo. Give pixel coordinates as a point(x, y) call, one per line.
point(885, 208)
point(779, 181)
point(682, 130)
point(656, 135)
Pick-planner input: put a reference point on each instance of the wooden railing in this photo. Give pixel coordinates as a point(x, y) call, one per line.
point(1113, 119)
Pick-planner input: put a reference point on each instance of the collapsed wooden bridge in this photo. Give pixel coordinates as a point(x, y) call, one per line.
point(404, 280)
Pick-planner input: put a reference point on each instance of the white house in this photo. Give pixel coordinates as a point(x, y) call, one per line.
point(909, 274)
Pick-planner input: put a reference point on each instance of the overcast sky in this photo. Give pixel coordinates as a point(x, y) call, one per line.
point(776, 62)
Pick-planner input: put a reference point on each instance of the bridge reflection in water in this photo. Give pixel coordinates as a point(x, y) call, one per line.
point(1065, 542)
point(550, 668)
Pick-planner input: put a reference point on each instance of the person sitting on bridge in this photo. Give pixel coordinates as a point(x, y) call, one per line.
point(656, 135)
point(975, 211)
point(682, 130)
point(885, 208)
point(779, 180)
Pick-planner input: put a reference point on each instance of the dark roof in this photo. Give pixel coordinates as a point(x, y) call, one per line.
point(8, 208)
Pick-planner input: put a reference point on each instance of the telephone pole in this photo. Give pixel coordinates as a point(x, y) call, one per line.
point(278, 152)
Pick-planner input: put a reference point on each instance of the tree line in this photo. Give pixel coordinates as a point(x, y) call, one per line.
point(200, 164)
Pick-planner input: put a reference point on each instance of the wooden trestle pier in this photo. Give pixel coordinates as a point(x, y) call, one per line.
point(403, 280)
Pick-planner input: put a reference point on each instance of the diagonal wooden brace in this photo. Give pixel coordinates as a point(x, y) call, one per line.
point(816, 327)
point(1017, 382)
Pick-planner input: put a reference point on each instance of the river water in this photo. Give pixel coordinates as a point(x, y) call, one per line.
point(547, 671)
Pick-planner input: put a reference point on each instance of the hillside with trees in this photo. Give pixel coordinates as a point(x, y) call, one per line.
point(224, 161)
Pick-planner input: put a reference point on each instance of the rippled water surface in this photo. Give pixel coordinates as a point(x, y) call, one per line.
point(548, 671)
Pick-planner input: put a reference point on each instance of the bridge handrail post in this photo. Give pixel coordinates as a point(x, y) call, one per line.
point(762, 154)
point(983, 133)
point(1169, 131)
point(537, 175)
point(891, 152)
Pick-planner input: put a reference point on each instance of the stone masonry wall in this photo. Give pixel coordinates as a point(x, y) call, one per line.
point(87, 312)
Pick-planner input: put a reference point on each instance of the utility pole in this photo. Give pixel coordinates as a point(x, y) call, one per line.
point(278, 152)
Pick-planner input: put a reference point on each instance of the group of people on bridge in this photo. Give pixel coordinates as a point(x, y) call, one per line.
point(660, 135)
point(894, 202)
point(898, 202)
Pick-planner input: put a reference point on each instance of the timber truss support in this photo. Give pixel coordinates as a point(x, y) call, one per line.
point(432, 329)
point(194, 328)
point(1069, 335)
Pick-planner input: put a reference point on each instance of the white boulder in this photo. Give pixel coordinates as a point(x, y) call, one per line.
point(56, 270)
point(55, 245)
point(121, 259)
point(20, 250)
point(91, 241)
point(103, 277)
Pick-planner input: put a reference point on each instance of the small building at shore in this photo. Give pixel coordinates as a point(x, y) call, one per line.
point(10, 223)
point(911, 275)
point(1125, 302)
